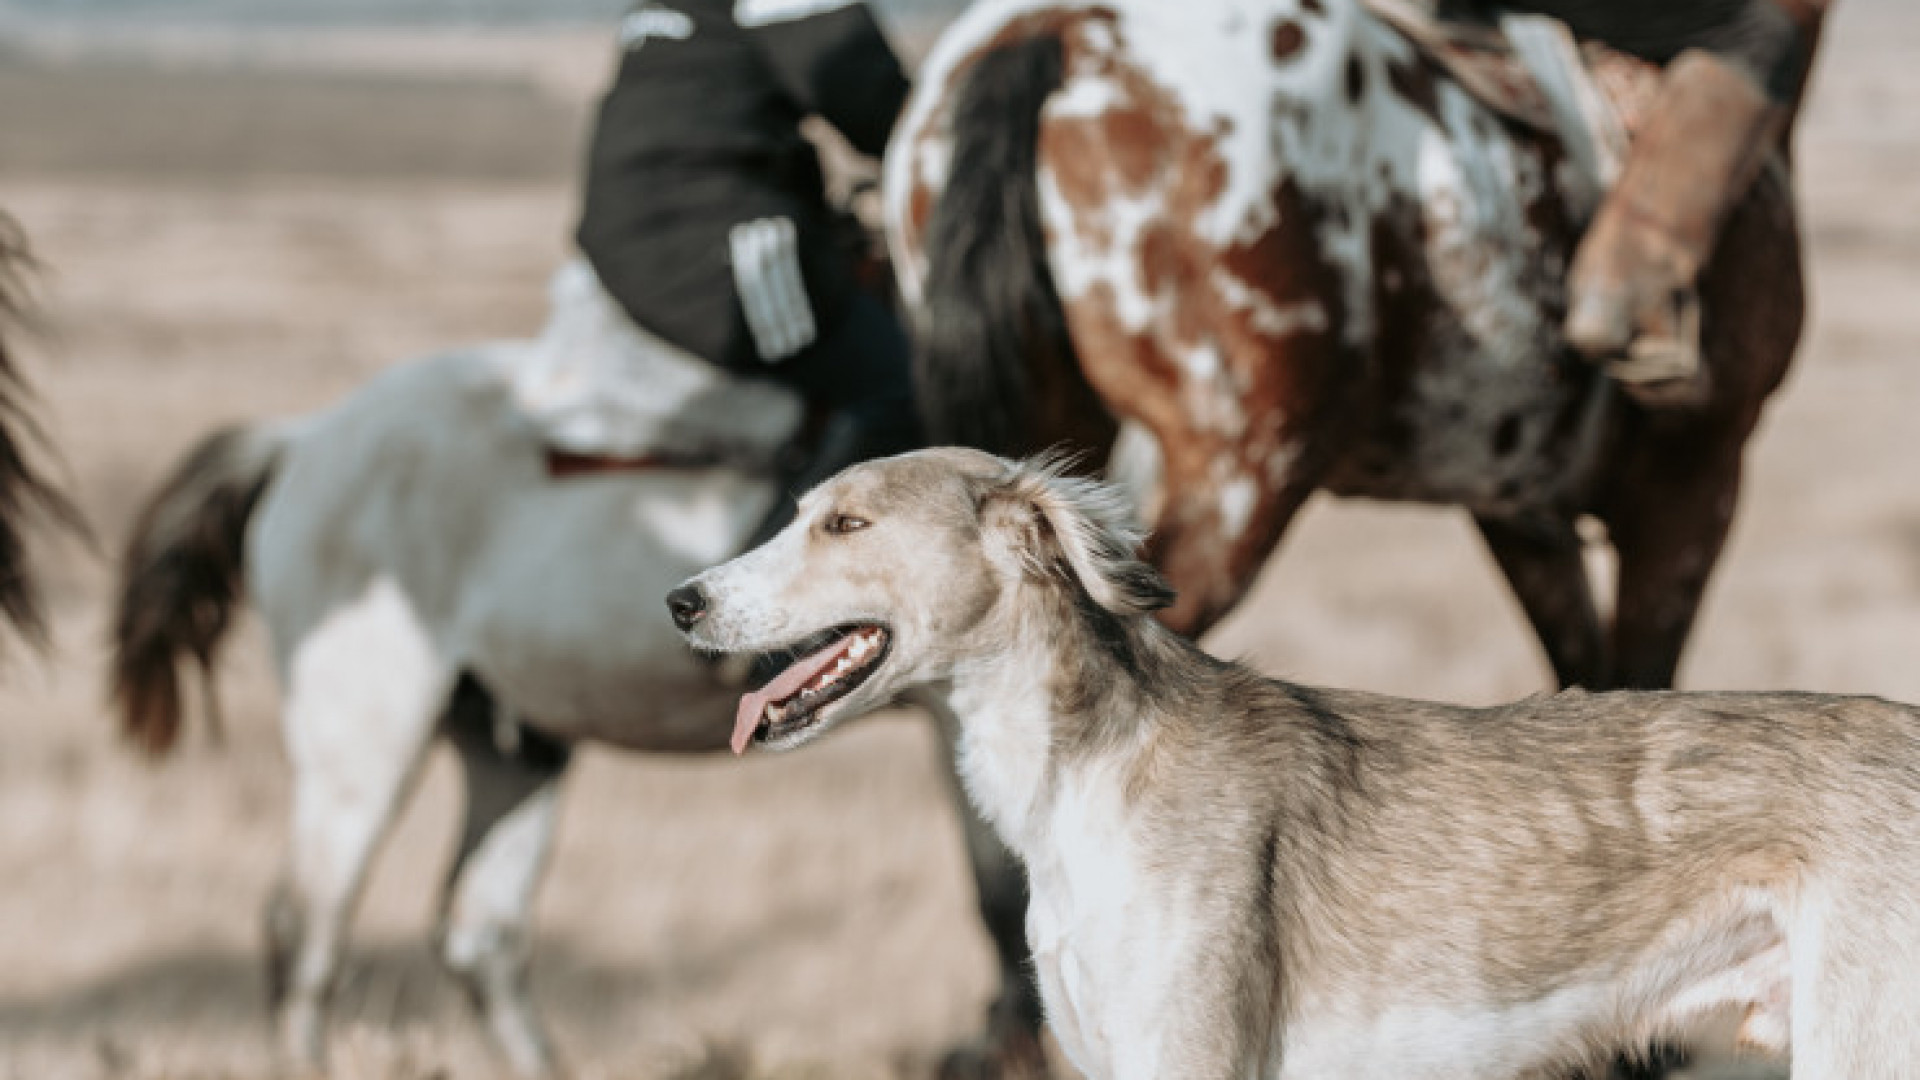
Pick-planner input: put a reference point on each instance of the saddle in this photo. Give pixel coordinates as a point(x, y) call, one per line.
point(1531, 70)
point(606, 396)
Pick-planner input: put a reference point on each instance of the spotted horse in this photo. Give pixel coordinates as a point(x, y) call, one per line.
point(1284, 250)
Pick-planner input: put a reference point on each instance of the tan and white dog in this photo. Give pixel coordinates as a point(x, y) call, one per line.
point(1235, 877)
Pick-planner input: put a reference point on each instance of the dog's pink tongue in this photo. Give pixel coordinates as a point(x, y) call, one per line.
point(746, 719)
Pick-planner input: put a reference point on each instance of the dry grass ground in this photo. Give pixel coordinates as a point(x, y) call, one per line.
point(806, 916)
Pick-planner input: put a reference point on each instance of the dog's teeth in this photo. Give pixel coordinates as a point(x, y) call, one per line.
point(845, 663)
point(859, 648)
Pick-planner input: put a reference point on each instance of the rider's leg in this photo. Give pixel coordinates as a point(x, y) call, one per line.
point(1718, 116)
point(860, 373)
point(1631, 289)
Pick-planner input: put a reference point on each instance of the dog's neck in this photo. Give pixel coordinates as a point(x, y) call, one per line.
point(1064, 685)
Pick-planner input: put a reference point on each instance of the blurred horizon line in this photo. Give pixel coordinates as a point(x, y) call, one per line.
point(132, 15)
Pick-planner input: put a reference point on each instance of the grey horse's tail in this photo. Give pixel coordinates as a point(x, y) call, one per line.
point(24, 490)
point(182, 576)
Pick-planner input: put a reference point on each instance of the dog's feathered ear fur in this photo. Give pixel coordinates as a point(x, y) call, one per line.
point(1069, 526)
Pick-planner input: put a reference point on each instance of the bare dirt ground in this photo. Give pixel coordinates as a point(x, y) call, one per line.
point(805, 916)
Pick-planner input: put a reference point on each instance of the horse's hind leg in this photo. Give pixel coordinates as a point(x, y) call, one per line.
point(364, 690)
point(1670, 496)
point(1671, 506)
point(1541, 560)
point(513, 779)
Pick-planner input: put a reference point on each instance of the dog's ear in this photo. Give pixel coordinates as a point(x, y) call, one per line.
point(1073, 528)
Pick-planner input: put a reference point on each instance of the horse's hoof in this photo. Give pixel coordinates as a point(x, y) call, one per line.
point(1015, 1056)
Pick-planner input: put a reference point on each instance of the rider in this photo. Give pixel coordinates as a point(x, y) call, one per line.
point(1733, 70)
point(706, 216)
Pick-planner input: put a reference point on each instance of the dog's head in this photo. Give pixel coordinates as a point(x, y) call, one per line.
point(897, 571)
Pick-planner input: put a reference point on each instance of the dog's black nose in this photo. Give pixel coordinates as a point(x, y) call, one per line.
point(688, 605)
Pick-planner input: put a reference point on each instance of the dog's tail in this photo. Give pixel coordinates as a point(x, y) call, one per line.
point(182, 576)
point(992, 315)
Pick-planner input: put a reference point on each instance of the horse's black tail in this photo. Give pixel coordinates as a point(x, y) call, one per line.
point(24, 491)
point(991, 315)
point(182, 577)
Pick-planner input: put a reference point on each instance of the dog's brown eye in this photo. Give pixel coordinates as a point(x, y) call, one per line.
point(838, 524)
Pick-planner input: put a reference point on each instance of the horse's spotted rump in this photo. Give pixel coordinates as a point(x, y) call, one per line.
point(1288, 39)
point(1181, 280)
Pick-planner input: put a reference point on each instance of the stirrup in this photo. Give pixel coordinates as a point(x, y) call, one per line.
point(1666, 370)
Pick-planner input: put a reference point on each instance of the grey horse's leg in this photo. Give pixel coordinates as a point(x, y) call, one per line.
point(1011, 1046)
point(512, 778)
point(1541, 560)
point(364, 690)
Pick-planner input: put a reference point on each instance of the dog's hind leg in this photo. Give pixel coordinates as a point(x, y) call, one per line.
point(1541, 560)
point(364, 689)
point(1011, 1045)
point(1855, 955)
point(513, 778)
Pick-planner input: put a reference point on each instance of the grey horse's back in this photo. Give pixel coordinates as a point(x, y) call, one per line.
point(399, 479)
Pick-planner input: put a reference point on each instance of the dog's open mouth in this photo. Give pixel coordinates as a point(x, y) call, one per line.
point(792, 701)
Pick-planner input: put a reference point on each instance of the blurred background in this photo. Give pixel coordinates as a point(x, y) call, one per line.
point(246, 207)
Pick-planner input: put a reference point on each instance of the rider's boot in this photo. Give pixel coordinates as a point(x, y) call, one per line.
point(1632, 293)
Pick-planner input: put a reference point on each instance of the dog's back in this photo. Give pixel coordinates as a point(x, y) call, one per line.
point(1567, 873)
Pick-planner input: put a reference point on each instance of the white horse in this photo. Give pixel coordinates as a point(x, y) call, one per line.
point(422, 575)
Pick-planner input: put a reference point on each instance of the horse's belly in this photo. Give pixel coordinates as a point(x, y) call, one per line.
point(566, 620)
point(648, 700)
point(1493, 439)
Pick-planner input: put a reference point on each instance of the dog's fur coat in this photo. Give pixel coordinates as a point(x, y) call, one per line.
point(1235, 877)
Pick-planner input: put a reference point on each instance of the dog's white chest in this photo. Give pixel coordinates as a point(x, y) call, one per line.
point(1106, 944)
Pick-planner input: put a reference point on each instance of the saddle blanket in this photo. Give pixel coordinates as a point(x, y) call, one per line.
point(600, 388)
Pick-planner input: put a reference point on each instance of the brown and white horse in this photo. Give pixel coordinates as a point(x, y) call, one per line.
point(1300, 256)
point(1280, 242)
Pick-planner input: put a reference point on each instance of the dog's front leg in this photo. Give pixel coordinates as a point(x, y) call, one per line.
point(1010, 1047)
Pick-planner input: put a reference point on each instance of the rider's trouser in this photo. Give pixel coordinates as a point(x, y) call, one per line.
point(1631, 287)
point(755, 279)
point(860, 372)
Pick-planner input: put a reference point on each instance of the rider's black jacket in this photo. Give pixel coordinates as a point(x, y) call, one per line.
point(701, 131)
point(1756, 35)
